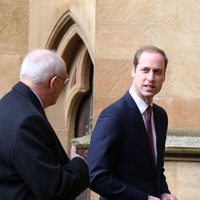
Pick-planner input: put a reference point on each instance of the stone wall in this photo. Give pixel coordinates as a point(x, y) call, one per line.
point(113, 31)
point(14, 20)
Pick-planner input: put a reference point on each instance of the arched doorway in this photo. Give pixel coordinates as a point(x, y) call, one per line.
point(69, 42)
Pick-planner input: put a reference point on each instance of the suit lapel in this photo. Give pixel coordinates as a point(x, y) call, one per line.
point(137, 117)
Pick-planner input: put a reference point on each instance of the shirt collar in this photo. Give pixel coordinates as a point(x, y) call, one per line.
point(38, 99)
point(139, 102)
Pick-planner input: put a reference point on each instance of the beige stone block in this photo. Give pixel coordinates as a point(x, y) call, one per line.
point(188, 12)
point(183, 179)
point(84, 13)
point(112, 77)
point(13, 2)
point(43, 17)
point(43, 20)
point(14, 21)
point(180, 41)
point(119, 41)
point(183, 114)
point(9, 70)
point(185, 79)
point(137, 11)
point(188, 181)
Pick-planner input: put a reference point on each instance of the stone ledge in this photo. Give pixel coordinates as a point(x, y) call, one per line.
point(172, 141)
point(178, 148)
point(182, 148)
point(183, 141)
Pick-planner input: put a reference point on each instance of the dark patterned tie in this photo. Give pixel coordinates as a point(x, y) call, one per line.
point(149, 131)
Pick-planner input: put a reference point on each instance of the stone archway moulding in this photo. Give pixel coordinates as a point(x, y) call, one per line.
point(68, 40)
point(66, 23)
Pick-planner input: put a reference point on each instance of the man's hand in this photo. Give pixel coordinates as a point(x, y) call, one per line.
point(74, 154)
point(167, 196)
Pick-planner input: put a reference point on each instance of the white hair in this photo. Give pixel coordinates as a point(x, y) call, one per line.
point(42, 64)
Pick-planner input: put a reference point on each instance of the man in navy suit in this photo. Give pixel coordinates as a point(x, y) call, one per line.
point(122, 163)
point(33, 164)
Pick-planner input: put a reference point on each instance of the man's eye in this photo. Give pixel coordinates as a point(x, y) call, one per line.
point(158, 72)
point(144, 69)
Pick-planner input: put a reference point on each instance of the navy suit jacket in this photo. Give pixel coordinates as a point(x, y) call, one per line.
point(33, 164)
point(119, 159)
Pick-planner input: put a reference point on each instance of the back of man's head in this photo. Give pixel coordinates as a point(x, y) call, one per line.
point(40, 65)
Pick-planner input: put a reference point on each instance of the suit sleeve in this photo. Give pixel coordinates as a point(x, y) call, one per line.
point(34, 158)
point(161, 120)
point(102, 155)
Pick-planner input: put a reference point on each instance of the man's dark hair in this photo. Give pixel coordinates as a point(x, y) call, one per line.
point(150, 49)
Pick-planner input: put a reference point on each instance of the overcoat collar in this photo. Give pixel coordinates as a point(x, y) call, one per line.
point(27, 92)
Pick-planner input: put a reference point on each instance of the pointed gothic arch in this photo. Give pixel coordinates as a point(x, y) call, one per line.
point(68, 40)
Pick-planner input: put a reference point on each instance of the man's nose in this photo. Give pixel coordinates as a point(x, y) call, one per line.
point(150, 76)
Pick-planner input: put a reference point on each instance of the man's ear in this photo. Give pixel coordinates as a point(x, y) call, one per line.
point(53, 82)
point(133, 70)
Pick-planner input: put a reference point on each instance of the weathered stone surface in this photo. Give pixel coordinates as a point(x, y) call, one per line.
point(183, 177)
point(137, 11)
point(9, 70)
point(43, 20)
point(183, 115)
point(14, 21)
